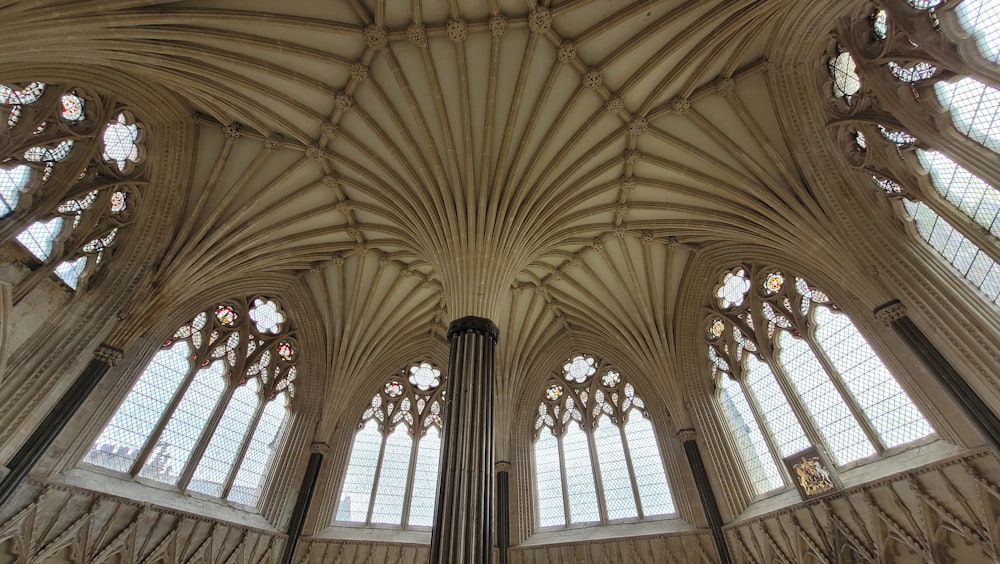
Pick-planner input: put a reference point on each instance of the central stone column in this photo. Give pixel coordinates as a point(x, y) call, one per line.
point(463, 516)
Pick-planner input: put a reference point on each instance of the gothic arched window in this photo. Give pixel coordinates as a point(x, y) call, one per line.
point(952, 209)
point(207, 412)
point(69, 172)
point(392, 473)
point(596, 456)
point(794, 373)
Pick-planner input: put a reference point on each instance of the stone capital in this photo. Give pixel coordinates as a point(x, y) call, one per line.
point(108, 354)
point(321, 448)
point(887, 313)
point(472, 324)
point(502, 466)
point(686, 435)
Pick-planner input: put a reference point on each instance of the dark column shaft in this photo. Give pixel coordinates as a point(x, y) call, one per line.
point(463, 516)
point(32, 450)
point(298, 518)
point(894, 314)
point(503, 511)
point(705, 493)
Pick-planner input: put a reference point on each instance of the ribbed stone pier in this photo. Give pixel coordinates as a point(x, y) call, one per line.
point(463, 516)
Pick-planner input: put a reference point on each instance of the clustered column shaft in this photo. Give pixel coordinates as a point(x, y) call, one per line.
point(705, 493)
point(463, 515)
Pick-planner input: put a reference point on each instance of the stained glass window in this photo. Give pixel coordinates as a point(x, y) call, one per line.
point(94, 168)
point(794, 373)
point(392, 472)
point(596, 456)
point(219, 367)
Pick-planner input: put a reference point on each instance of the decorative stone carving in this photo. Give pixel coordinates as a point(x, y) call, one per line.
point(567, 52)
point(620, 231)
point(688, 434)
point(457, 30)
point(343, 207)
point(321, 448)
point(592, 80)
point(108, 354)
point(314, 153)
point(638, 126)
point(502, 466)
point(540, 20)
point(679, 106)
point(343, 101)
point(375, 36)
point(597, 245)
point(359, 72)
point(890, 312)
point(615, 105)
point(337, 260)
point(233, 131)
point(724, 86)
point(627, 184)
point(647, 238)
point(632, 157)
point(498, 26)
point(329, 129)
point(622, 209)
point(273, 143)
point(417, 35)
point(330, 181)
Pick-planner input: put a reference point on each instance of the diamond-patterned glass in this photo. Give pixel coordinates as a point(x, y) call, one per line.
point(829, 411)
point(11, 181)
point(425, 479)
point(749, 439)
point(891, 412)
point(975, 109)
point(579, 477)
point(71, 270)
point(976, 266)
point(186, 425)
point(119, 443)
point(616, 485)
point(654, 492)
point(982, 17)
point(970, 194)
point(220, 455)
point(38, 237)
point(356, 494)
point(250, 476)
point(548, 480)
point(774, 408)
point(391, 489)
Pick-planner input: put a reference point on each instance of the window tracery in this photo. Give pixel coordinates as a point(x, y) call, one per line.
point(70, 173)
point(793, 373)
point(392, 472)
point(207, 413)
point(596, 456)
point(952, 208)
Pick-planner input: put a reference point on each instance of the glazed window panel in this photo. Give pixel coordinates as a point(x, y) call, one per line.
point(392, 474)
point(975, 109)
point(595, 452)
point(982, 18)
point(806, 371)
point(219, 367)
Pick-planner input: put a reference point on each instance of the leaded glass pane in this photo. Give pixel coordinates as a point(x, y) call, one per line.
point(579, 477)
point(548, 480)
point(749, 439)
point(425, 479)
point(357, 491)
point(654, 492)
point(829, 411)
point(70, 271)
point(391, 489)
point(38, 237)
point(982, 17)
point(119, 443)
point(972, 263)
point(975, 109)
point(186, 425)
point(774, 408)
point(970, 194)
point(616, 485)
point(11, 181)
point(249, 478)
point(885, 404)
point(220, 455)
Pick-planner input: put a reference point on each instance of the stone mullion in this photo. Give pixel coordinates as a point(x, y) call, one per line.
point(602, 505)
point(410, 477)
point(801, 413)
point(244, 446)
point(206, 435)
point(845, 393)
point(378, 474)
point(154, 437)
point(631, 470)
point(565, 482)
point(765, 430)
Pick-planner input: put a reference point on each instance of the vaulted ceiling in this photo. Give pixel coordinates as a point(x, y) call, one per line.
point(552, 166)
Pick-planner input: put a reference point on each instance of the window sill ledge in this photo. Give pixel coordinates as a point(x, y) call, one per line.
point(115, 485)
point(375, 534)
point(597, 531)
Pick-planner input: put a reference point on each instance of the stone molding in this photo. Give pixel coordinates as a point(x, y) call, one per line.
point(472, 324)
